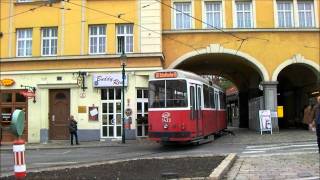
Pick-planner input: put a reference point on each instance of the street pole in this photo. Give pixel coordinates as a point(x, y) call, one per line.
point(123, 127)
point(123, 59)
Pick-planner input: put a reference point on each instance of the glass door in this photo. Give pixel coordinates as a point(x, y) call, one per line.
point(111, 113)
point(142, 112)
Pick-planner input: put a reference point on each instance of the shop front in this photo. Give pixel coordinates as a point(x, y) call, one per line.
point(10, 100)
point(94, 99)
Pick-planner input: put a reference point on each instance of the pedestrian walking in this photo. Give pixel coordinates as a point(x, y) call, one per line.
point(308, 117)
point(317, 120)
point(73, 128)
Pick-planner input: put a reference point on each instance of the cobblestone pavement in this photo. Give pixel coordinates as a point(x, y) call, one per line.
point(291, 166)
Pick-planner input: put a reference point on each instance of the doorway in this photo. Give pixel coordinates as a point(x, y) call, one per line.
point(59, 113)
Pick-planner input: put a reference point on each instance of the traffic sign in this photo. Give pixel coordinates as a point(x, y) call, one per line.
point(17, 122)
point(128, 112)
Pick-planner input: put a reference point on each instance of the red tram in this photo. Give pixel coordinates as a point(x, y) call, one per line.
point(184, 107)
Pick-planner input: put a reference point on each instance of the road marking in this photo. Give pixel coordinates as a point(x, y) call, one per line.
point(280, 147)
point(279, 154)
point(251, 152)
point(54, 163)
point(58, 153)
point(280, 144)
point(309, 178)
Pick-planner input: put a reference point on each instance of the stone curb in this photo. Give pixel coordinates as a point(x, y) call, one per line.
point(224, 166)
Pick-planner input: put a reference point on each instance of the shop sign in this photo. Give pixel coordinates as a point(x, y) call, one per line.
point(280, 111)
point(27, 93)
point(265, 120)
point(7, 82)
point(109, 80)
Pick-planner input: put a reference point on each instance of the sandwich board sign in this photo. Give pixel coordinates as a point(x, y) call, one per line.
point(265, 121)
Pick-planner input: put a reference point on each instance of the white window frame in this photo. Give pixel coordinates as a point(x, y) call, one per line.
point(253, 13)
point(98, 36)
point(222, 14)
point(296, 23)
point(125, 35)
point(23, 1)
point(173, 14)
point(304, 11)
point(292, 14)
point(50, 38)
point(24, 39)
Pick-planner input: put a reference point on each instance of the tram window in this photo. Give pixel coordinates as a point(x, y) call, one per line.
point(216, 100)
point(222, 100)
point(206, 96)
point(156, 94)
point(212, 102)
point(176, 93)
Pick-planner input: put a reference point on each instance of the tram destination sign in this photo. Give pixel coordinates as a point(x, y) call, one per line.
point(168, 74)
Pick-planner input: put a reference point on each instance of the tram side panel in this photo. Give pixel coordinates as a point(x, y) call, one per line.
point(210, 122)
point(171, 126)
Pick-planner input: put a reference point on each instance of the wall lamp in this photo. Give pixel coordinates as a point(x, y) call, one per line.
point(81, 79)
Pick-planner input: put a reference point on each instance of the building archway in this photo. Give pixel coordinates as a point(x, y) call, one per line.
point(298, 85)
point(243, 70)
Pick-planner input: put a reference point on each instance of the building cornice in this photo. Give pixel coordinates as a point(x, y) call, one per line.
point(241, 30)
point(73, 57)
point(94, 70)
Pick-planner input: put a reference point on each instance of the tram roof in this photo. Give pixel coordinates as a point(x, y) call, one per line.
point(186, 74)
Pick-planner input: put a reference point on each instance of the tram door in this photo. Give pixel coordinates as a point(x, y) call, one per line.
point(195, 107)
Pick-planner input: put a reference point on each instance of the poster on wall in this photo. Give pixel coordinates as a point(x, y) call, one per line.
point(93, 113)
point(265, 121)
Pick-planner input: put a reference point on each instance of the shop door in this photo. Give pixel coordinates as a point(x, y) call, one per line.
point(59, 113)
point(111, 113)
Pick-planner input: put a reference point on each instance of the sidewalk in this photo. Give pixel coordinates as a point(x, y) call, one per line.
point(65, 144)
point(277, 167)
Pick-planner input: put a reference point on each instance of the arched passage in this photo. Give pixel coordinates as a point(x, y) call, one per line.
point(242, 69)
point(298, 85)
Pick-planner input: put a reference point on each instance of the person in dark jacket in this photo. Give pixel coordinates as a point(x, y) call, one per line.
point(317, 120)
point(73, 128)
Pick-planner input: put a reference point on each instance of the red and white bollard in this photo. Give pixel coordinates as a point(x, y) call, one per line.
point(19, 159)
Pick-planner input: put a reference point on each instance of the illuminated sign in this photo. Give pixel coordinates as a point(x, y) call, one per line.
point(7, 82)
point(166, 74)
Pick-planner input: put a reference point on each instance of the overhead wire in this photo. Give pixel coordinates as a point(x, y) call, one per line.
point(127, 21)
point(23, 12)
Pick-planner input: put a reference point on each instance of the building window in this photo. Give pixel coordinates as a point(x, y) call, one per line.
point(182, 15)
point(21, 1)
point(24, 42)
point(49, 41)
point(285, 14)
point(306, 14)
point(244, 18)
point(213, 14)
point(125, 35)
point(142, 112)
point(97, 39)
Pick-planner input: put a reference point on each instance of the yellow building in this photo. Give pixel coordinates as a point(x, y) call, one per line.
point(69, 51)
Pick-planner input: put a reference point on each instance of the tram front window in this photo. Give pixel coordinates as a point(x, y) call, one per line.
point(168, 93)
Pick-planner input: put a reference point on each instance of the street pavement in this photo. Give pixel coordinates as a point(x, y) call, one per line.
point(289, 154)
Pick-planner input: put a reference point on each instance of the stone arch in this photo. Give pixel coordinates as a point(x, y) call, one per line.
point(296, 59)
point(217, 48)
